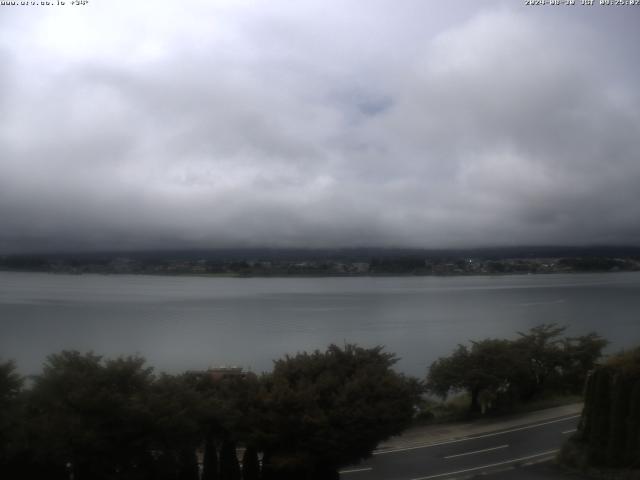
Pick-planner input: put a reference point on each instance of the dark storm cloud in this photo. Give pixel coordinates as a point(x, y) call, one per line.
point(317, 124)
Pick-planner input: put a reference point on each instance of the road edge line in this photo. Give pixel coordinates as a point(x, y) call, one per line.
point(468, 438)
point(497, 464)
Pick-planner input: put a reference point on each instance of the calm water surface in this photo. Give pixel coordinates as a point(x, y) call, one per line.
point(179, 323)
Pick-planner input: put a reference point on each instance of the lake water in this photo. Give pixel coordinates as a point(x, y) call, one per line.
point(181, 323)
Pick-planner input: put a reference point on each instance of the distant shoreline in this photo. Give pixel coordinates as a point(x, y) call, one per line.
point(322, 275)
point(331, 263)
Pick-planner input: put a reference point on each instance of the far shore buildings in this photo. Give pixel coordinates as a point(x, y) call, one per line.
point(221, 373)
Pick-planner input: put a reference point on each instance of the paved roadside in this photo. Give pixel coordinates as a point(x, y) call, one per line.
point(536, 471)
point(451, 431)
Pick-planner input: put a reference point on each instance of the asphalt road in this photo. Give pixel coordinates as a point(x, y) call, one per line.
point(495, 452)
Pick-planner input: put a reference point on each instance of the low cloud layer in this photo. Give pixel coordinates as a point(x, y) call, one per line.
point(200, 124)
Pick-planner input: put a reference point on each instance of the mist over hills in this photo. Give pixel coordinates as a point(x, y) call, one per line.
point(288, 124)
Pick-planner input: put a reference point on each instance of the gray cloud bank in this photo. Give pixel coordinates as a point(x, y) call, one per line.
point(208, 124)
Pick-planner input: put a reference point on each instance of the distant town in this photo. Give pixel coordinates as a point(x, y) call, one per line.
point(344, 262)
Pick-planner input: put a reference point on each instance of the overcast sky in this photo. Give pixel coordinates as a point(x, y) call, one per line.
point(136, 124)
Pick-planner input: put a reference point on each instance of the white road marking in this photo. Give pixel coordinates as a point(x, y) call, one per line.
point(569, 431)
point(356, 470)
point(466, 439)
point(549, 452)
point(477, 451)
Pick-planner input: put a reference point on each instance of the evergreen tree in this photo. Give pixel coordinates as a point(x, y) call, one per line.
point(10, 418)
point(633, 427)
point(166, 467)
point(609, 431)
point(619, 416)
point(229, 466)
point(599, 429)
point(210, 462)
point(188, 465)
point(91, 413)
point(250, 464)
point(329, 409)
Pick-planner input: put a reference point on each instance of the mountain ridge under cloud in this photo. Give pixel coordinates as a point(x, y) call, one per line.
point(131, 127)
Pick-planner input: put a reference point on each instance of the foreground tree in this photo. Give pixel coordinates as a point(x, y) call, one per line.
point(250, 464)
point(10, 416)
point(485, 370)
point(498, 372)
point(90, 416)
point(231, 408)
point(581, 355)
point(328, 409)
point(188, 464)
point(179, 428)
point(557, 363)
point(608, 434)
point(229, 465)
point(210, 461)
point(542, 347)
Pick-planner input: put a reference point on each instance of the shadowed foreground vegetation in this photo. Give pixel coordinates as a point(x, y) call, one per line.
point(92, 418)
point(115, 419)
point(502, 375)
point(607, 442)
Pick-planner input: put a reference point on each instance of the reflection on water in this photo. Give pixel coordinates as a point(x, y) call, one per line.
point(193, 322)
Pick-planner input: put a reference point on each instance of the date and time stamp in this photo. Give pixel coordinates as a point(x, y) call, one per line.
point(528, 3)
point(45, 3)
point(584, 3)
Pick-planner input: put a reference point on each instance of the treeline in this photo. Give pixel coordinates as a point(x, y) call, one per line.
point(86, 417)
point(498, 374)
point(608, 435)
point(341, 265)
